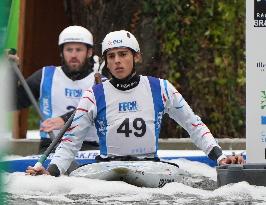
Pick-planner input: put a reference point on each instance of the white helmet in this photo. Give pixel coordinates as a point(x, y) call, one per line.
point(118, 39)
point(75, 34)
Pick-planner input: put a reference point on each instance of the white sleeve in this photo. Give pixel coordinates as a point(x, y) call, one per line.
point(75, 135)
point(180, 111)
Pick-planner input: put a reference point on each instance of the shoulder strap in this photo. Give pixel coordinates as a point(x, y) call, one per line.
point(158, 105)
point(101, 121)
point(45, 100)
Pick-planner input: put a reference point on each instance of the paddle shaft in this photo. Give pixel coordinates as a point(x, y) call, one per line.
point(29, 93)
point(60, 135)
point(55, 141)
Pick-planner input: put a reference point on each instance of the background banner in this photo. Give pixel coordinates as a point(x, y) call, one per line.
point(256, 81)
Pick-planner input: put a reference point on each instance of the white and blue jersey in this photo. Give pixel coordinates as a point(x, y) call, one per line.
point(128, 122)
point(57, 100)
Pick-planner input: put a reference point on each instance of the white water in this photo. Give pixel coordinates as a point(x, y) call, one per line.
point(24, 189)
point(44, 190)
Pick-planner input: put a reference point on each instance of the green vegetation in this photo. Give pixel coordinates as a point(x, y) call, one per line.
point(204, 45)
point(33, 119)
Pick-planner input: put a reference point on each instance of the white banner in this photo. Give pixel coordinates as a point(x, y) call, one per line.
point(256, 81)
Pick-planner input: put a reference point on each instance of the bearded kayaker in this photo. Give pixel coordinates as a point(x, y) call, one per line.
point(59, 89)
point(127, 111)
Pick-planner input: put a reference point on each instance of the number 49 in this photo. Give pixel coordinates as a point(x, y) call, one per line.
point(138, 124)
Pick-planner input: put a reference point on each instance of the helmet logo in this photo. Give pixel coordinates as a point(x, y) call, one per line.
point(73, 39)
point(114, 42)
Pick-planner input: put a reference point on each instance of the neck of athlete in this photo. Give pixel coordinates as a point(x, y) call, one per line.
point(127, 83)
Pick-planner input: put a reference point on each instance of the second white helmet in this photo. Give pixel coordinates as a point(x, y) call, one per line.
point(77, 34)
point(118, 39)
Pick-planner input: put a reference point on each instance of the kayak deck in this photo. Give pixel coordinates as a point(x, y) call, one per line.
point(20, 164)
point(139, 173)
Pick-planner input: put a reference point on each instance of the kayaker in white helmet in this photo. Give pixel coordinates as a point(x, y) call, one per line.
point(127, 111)
point(59, 88)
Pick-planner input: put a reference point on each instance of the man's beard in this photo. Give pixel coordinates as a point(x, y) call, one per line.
point(79, 72)
point(79, 69)
point(75, 69)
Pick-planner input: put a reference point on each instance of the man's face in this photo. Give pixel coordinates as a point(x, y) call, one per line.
point(120, 62)
point(75, 55)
